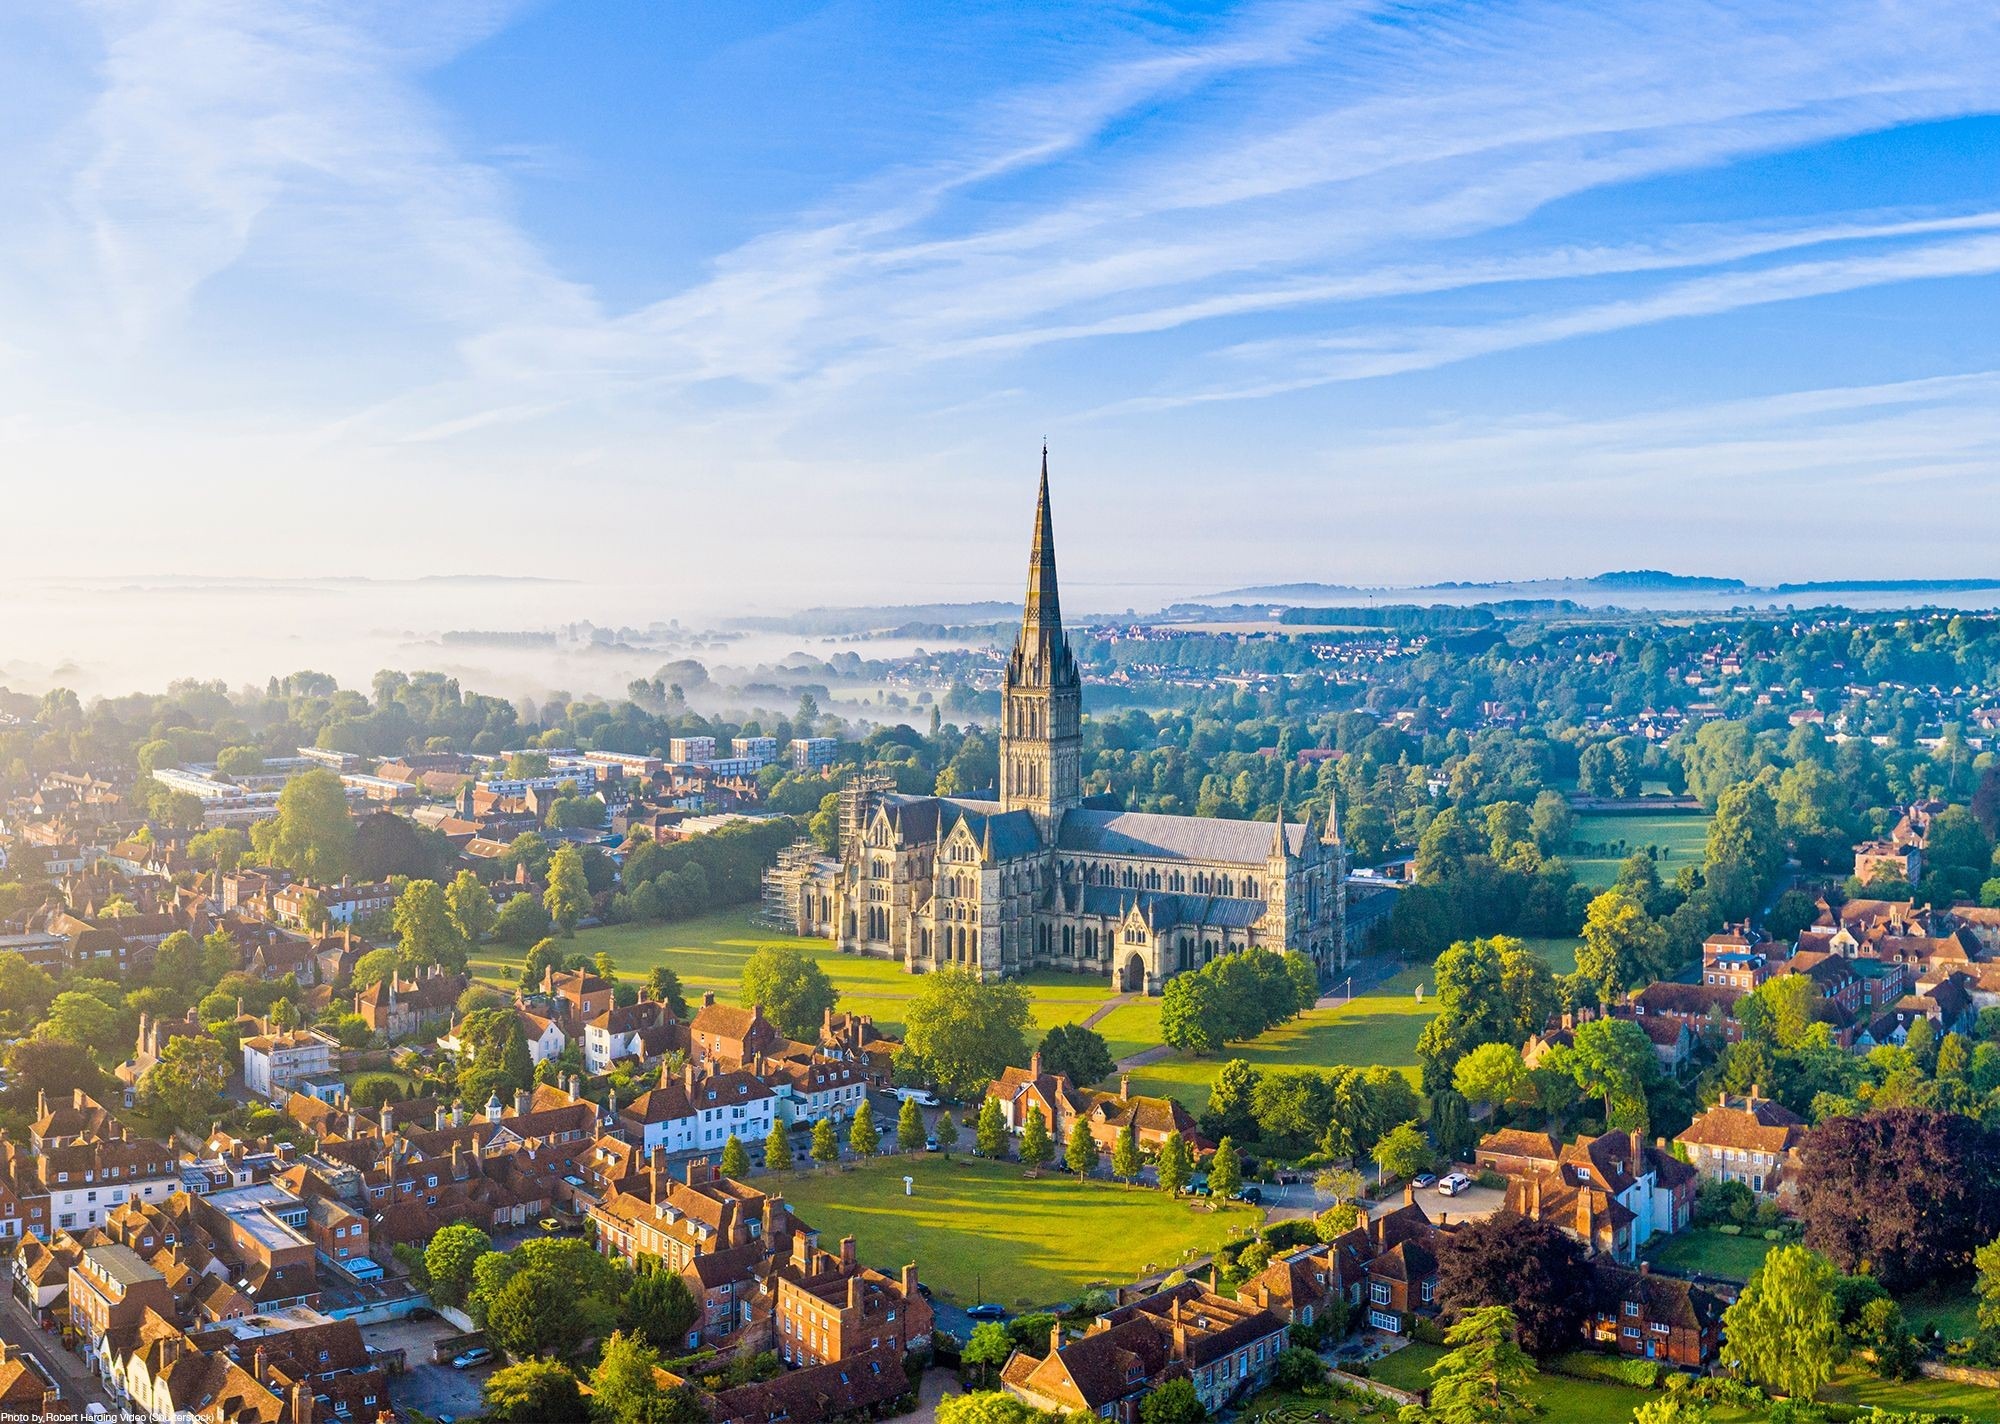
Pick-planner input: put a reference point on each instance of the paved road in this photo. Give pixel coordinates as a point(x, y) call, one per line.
point(79, 1385)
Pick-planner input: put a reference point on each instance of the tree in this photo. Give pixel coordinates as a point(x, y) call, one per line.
point(1175, 1402)
point(1225, 1170)
point(311, 832)
point(791, 988)
point(450, 1257)
point(987, 1346)
point(1784, 1331)
point(1337, 1220)
point(1190, 1014)
point(534, 1392)
point(1614, 1060)
point(26, 991)
point(990, 1136)
point(470, 906)
point(568, 895)
point(961, 1032)
point(625, 1391)
point(1036, 1148)
point(1892, 1349)
point(660, 1308)
point(735, 1158)
point(778, 1149)
point(1403, 1152)
point(862, 1135)
point(825, 1146)
point(1125, 1153)
point(1486, 1378)
point(1550, 823)
point(1174, 1164)
point(56, 1066)
point(909, 1127)
point(522, 921)
point(1531, 1267)
point(1671, 1409)
point(184, 1089)
point(1987, 1262)
point(1494, 1073)
point(1493, 990)
point(1909, 1193)
point(425, 928)
point(946, 1131)
point(1622, 947)
point(1080, 1153)
point(1078, 1052)
point(87, 1021)
point(222, 848)
point(991, 1406)
point(665, 986)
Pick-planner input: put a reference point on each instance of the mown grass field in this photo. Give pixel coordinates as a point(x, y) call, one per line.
point(709, 953)
point(1381, 1026)
point(1560, 953)
point(1682, 837)
point(1573, 1401)
point(986, 1230)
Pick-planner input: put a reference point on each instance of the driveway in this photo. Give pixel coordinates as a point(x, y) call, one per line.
point(1471, 1204)
point(425, 1387)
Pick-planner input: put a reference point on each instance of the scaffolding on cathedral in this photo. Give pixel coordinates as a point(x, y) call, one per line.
point(786, 885)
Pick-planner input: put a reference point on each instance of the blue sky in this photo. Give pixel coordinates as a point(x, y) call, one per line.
point(1351, 292)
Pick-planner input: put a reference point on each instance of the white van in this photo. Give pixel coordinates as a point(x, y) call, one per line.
point(922, 1097)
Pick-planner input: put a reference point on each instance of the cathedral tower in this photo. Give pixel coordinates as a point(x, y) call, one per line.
point(1041, 709)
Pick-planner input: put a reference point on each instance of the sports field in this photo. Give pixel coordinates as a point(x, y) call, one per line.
point(1682, 837)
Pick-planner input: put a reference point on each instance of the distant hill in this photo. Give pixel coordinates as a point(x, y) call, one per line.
point(1658, 578)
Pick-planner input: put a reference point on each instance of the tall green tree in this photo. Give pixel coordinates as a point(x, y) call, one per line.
point(1175, 1164)
point(825, 1146)
point(449, 1259)
point(1485, 1378)
point(470, 905)
point(862, 1135)
point(778, 1149)
point(791, 988)
point(425, 928)
point(991, 1137)
point(184, 1089)
point(1036, 1147)
point(988, 1346)
point(1623, 947)
point(1225, 1170)
point(961, 1032)
point(310, 832)
point(946, 1131)
point(1125, 1159)
point(910, 1127)
point(660, 1308)
point(534, 1392)
point(1784, 1329)
point(1080, 1154)
point(568, 895)
point(735, 1158)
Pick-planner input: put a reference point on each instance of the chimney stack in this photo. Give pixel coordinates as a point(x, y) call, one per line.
point(438, 1118)
point(854, 1291)
point(1124, 1086)
point(388, 1118)
point(1409, 1194)
point(910, 1281)
point(847, 1253)
point(522, 1098)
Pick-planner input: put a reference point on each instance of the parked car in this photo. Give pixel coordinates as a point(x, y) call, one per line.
point(1425, 1179)
point(1252, 1195)
point(922, 1097)
point(422, 1312)
point(1453, 1183)
point(550, 1223)
point(930, 1144)
point(471, 1359)
point(986, 1311)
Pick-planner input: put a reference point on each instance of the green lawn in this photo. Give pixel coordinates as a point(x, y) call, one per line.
point(1560, 953)
point(986, 1230)
point(708, 953)
point(1573, 1401)
point(1952, 1308)
point(1682, 837)
point(1974, 1402)
point(1377, 1027)
point(1712, 1252)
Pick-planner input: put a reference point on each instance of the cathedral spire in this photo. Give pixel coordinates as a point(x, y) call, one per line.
point(1043, 613)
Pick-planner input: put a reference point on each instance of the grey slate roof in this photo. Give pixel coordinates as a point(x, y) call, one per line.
point(1169, 911)
point(1202, 838)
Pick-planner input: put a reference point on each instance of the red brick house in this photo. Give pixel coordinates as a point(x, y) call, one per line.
point(1653, 1317)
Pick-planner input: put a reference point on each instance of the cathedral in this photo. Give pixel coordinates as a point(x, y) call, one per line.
point(1048, 878)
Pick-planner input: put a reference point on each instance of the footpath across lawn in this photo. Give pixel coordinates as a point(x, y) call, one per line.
point(986, 1230)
